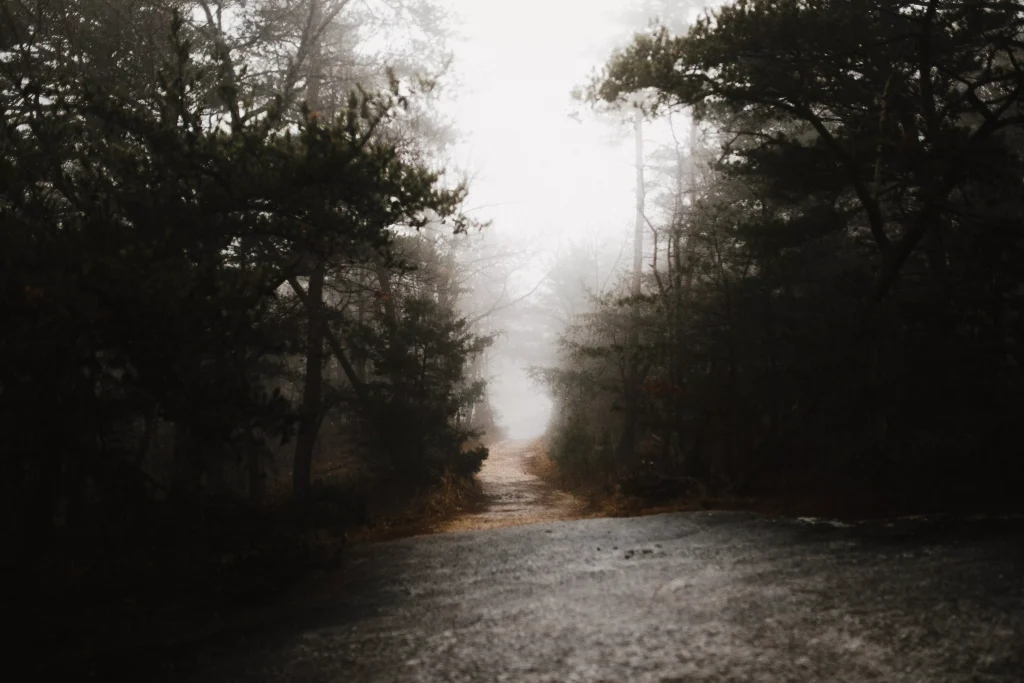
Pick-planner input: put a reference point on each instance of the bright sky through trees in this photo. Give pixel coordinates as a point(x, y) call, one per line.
point(541, 176)
point(536, 171)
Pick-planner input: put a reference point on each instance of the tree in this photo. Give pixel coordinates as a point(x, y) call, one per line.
point(830, 302)
point(904, 102)
point(124, 220)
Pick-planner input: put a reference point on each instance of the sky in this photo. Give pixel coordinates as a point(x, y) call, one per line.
point(542, 178)
point(535, 171)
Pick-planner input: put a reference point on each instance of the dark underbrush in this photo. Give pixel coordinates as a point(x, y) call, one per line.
point(192, 572)
point(798, 488)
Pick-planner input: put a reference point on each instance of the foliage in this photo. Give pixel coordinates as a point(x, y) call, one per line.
point(839, 306)
point(423, 361)
point(147, 240)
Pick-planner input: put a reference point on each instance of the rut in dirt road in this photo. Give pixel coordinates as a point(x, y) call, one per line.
point(514, 495)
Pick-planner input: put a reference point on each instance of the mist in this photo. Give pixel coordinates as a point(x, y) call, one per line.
point(548, 175)
point(339, 339)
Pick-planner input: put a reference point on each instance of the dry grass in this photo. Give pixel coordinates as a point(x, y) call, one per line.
point(594, 498)
point(423, 512)
point(539, 464)
point(455, 495)
point(605, 499)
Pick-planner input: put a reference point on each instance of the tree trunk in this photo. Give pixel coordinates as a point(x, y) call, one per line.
point(312, 390)
point(359, 360)
point(638, 228)
point(254, 468)
point(627, 443)
point(187, 478)
point(41, 502)
point(387, 297)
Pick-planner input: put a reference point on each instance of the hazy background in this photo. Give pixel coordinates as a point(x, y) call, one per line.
point(543, 178)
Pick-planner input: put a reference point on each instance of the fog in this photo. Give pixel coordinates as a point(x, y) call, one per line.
point(545, 172)
point(285, 278)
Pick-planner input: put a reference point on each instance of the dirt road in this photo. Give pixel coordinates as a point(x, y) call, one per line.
point(515, 497)
point(701, 596)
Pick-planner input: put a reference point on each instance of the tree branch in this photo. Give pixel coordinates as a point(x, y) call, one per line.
point(357, 384)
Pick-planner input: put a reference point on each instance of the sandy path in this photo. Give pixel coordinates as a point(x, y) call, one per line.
point(514, 496)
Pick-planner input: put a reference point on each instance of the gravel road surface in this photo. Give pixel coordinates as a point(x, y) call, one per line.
point(705, 596)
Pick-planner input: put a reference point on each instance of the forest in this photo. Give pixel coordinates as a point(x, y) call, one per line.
point(830, 303)
point(234, 297)
point(246, 309)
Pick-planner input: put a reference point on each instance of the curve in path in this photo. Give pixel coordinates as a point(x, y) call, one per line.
point(514, 496)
